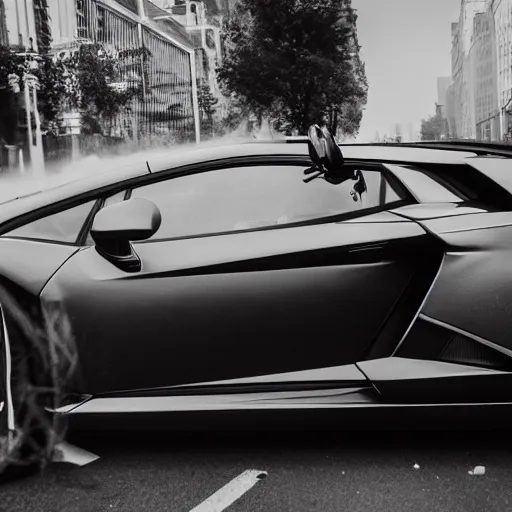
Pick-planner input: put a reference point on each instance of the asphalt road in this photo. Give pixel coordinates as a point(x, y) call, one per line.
point(328, 473)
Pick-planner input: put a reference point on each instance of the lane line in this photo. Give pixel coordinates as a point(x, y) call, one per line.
point(65, 452)
point(232, 491)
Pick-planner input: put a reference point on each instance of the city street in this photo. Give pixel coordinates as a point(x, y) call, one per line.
point(224, 216)
point(337, 472)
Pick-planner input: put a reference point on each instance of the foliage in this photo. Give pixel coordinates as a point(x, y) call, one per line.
point(434, 128)
point(84, 81)
point(207, 107)
point(207, 101)
point(44, 361)
point(52, 91)
point(297, 58)
point(12, 67)
point(90, 78)
point(394, 139)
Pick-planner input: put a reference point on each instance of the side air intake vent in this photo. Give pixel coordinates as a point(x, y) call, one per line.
point(436, 343)
point(467, 351)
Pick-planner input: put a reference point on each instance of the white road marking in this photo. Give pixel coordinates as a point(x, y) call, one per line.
point(65, 452)
point(232, 491)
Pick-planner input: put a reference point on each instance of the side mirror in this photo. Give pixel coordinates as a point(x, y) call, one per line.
point(327, 157)
point(116, 226)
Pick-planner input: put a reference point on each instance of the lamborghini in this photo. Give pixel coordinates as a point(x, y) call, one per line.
point(276, 284)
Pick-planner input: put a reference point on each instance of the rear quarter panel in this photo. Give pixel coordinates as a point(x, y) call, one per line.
point(30, 264)
point(474, 289)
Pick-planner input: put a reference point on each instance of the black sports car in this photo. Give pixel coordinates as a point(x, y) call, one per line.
point(270, 282)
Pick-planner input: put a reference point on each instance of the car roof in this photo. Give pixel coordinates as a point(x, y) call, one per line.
point(95, 172)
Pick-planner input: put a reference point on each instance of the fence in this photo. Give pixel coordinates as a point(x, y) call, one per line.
point(165, 76)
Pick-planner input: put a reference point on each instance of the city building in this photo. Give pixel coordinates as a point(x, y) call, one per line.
point(20, 23)
point(462, 94)
point(442, 89)
point(169, 103)
point(479, 101)
point(202, 21)
point(502, 15)
point(450, 112)
point(484, 77)
point(457, 77)
point(4, 39)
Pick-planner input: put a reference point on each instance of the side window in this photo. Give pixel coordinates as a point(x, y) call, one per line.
point(253, 197)
point(424, 188)
point(64, 226)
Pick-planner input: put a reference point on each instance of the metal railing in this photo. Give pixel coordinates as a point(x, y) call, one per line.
point(165, 108)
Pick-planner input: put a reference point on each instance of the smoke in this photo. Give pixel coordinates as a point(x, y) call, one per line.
point(41, 345)
point(16, 184)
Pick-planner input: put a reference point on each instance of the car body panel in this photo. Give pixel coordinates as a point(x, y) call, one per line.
point(209, 296)
point(352, 417)
point(470, 222)
point(420, 212)
point(375, 218)
point(401, 380)
point(30, 264)
point(474, 289)
point(348, 374)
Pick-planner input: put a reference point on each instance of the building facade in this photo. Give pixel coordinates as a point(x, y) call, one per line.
point(202, 21)
point(443, 83)
point(4, 39)
point(168, 106)
point(479, 101)
point(450, 113)
point(481, 94)
point(20, 23)
point(502, 15)
point(457, 79)
point(484, 68)
point(469, 10)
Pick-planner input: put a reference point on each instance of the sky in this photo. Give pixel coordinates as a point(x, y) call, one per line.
point(406, 45)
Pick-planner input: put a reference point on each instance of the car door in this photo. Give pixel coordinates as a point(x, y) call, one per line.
point(252, 272)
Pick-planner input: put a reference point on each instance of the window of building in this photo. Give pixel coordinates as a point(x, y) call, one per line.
point(246, 198)
point(81, 20)
point(131, 5)
point(100, 27)
point(210, 39)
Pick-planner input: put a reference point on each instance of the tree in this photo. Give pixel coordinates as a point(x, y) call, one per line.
point(207, 101)
point(434, 128)
point(297, 62)
point(85, 81)
point(90, 84)
point(207, 105)
point(11, 66)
